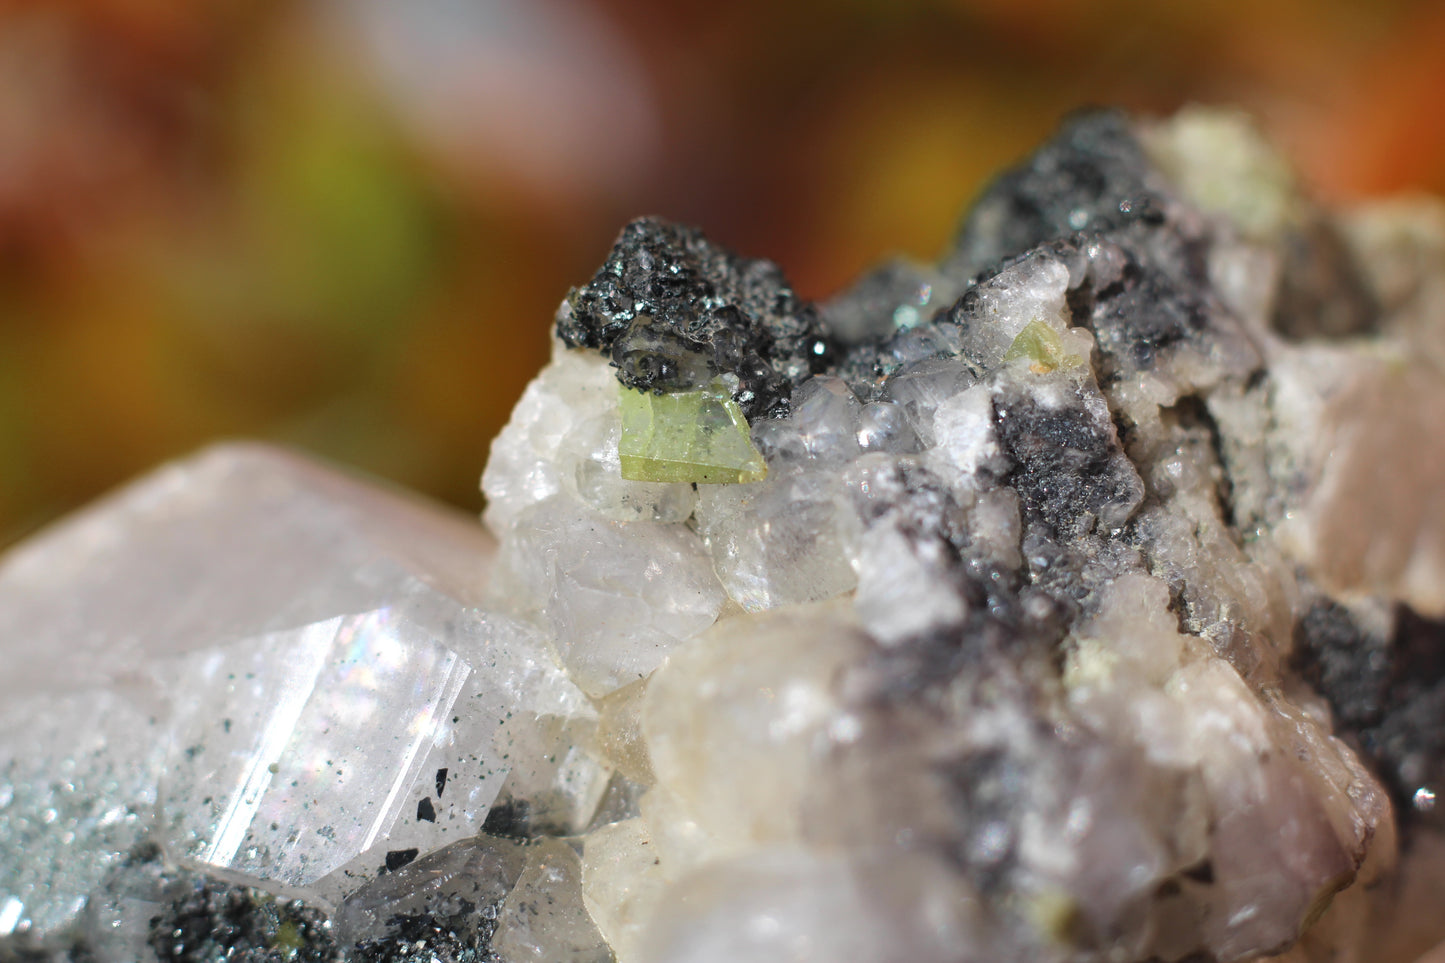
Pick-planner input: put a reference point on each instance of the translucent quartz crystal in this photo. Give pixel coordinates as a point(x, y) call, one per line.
point(782, 905)
point(919, 388)
point(750, 696)
point(279, 771)
point(691, 436)
point(543, 919)
point(782, 541)
point(234, 543)
point(462, 885)
point(615, 595)
point(267, 667)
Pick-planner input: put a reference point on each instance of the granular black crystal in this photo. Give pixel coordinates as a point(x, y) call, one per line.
point(674, 311)
point(1092, 177)
point(463, 937)
point(1386, 690)
point(218, 922)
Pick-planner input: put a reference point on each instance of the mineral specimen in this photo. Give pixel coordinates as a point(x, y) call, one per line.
point(1078, 598)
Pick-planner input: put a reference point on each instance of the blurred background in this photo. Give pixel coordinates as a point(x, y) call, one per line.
point(345, 224)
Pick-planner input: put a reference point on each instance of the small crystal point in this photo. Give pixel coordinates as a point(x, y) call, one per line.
point(1041, 346)
point(687, 436)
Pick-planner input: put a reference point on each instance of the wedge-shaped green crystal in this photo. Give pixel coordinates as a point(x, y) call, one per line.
point(1041, 346)
point(688, 436)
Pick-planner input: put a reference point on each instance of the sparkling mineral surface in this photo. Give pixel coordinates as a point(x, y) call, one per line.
point(1079, 597)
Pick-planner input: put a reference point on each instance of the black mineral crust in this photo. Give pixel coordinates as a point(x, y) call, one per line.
point(216, 921)
point(1386, 688)
point(1092, 198)
point(1092, 177)
point(463, 936)
point(674, 312)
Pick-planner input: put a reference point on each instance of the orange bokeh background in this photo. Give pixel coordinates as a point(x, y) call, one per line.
point(345, 224)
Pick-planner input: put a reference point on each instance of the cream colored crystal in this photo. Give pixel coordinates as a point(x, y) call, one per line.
point(733, 719)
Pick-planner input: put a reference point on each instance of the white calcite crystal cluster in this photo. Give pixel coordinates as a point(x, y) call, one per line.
point(1080, 597)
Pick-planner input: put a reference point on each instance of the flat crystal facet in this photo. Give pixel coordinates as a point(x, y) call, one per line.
point(234, 542)
point(543, 919)
point(264, 665)
point(1040, 345)
point(310, 745)
point(687, 436)
point(462, 886)
point(616, 596)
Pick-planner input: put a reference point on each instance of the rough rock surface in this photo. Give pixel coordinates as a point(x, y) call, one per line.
point(1091, 607)
point(674, 311)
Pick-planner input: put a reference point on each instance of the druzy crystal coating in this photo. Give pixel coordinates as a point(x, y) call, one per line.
point(674, 311)
point(1079, 597)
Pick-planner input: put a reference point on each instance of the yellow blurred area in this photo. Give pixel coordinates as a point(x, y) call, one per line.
point(345, 224)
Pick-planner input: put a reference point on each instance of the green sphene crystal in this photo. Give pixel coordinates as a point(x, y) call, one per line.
point(1041, 346)
point(687, 436)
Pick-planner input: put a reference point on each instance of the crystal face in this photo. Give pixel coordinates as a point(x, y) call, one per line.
point(1040, 346)
point(688, 436)
point(1075, 598)
point(299, 757)
point(292, 785)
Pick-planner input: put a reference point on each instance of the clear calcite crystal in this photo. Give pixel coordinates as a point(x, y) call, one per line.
point(1079, 598)
point(161, 702)
point(293, 783)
